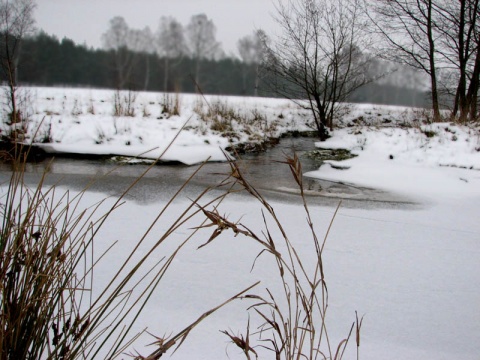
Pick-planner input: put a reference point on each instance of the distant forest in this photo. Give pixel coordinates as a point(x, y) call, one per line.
point(45, 60)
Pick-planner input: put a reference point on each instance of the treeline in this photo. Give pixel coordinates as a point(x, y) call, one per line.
point(44, 60)
point(47, 61)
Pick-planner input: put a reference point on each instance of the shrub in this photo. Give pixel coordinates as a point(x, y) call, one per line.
point(170, 105)
point(124, 103)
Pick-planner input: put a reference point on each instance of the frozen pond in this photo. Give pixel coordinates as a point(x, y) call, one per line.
point(411, 270)
point(263, 170)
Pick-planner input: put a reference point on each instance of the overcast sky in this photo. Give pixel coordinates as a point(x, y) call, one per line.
point(84, 21)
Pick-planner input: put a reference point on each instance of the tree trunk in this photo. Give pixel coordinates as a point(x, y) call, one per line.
point(12, 84)
point(197, 76)
point(257, 79)
point(321, 120)
point(433, 71)
point(244, 79)
point(462, 62)
point(165, 74)
point(147, 72)
point(472, 93)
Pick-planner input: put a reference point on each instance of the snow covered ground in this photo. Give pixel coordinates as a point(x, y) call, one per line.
point(144, 124)
point(413, 273)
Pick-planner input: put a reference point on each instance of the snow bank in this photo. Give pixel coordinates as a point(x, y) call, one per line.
point(428, 161)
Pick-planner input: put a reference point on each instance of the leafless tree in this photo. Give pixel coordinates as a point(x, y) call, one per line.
point(140, 42)
point(201, 40)
point(16, 22)
point(318, 55)
point(458, 24)
point(408, 29)
point(251, 52)
point(118, 38)
point(439, 37)
point(171, 44)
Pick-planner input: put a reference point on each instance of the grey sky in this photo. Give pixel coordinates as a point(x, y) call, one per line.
point(84, 21)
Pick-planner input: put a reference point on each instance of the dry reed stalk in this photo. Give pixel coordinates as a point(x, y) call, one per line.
point(47, 261)
point(294, 326)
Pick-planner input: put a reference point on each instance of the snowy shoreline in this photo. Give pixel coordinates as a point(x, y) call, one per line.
point(392, 143)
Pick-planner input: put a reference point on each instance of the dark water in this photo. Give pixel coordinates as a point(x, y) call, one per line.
point(264, 171)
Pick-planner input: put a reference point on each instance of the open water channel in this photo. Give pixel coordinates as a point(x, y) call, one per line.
point(263, 170)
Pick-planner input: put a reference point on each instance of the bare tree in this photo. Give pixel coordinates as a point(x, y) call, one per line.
point(408, 29)
point(441, 38)
point(118, 38)
point(171, 44)
point(251, 52)
point(318, 55)
point(458, 26)
point(201, 40)
point(140, 43)
point(16, 21)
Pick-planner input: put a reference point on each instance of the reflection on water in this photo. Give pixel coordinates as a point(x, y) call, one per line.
point(264, 171)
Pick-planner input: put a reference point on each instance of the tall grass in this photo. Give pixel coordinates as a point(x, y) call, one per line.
point(47, 267)
point(292, 321)
point(47, 263)
point(124, 103)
